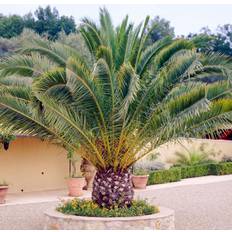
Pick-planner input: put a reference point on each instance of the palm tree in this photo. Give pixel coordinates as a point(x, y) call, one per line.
point(119, 106)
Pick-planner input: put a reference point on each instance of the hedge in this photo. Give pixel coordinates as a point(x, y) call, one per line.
point(197, 170)
point(164, 176)
point(222, 168)
point(178, 173)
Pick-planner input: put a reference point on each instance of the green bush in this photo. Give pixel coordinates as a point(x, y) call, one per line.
point(197, 170)
point(140, 172)
point(164, 176)
point(89, 208)
point(178, 173)
point(222, 168)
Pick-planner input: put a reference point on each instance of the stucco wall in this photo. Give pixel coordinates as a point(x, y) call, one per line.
point(33, 165)
point(216, 148)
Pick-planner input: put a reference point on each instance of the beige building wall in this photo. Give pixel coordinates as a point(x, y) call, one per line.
point(216, 148)
point(33, 165)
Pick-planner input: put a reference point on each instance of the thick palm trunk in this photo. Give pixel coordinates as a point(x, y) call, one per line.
point(112, 188)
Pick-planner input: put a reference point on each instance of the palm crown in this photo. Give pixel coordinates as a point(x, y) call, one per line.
point(127, 100)
point(131, 98)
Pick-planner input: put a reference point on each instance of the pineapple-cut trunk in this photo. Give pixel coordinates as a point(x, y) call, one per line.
point(112, 188)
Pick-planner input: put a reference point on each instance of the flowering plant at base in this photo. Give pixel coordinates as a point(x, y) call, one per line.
point(89, 208)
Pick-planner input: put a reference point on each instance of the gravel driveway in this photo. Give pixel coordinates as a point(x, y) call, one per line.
point(206, 206)
point(199, 203)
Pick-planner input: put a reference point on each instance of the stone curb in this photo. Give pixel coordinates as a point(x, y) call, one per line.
point(162, 220)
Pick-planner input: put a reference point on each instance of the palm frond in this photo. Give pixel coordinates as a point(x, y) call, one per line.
point(170, 50)
point(122, 103)
point(107, 29)
point(25, 65)
point(147, 55)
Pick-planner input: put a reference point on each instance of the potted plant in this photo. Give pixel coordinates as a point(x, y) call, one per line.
point(140, 178)
point(6, 139)
point(75, 182)
point(3, 191)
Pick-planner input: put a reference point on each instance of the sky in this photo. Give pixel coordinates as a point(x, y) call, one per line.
point(185, 18)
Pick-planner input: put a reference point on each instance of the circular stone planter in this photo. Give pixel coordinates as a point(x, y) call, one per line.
point(163, 220)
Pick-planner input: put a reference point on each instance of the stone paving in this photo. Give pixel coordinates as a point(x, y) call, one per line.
point(199, 207)
point(199, 203)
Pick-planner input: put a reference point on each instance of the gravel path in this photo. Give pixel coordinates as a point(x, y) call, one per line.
point(207, 206)
point(199, 203)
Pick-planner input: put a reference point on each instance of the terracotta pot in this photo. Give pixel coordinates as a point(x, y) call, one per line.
point(75, 186)
point(3, 192)
point(140, 182)
point(88, 171)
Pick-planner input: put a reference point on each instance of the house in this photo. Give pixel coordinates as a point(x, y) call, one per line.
point(31, 164)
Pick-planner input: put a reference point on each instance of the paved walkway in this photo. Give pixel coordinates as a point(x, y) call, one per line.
point(198, 207)
point(199, 203)
point(204, 204)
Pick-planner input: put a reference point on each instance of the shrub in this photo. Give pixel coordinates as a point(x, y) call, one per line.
point(149, 165)
point(75, 41)
point(222, 168)
point(89, 208)
point(164, 176)
point(227, 158)
point(6, 46)
point(178, 173)
point(196, 170)
point(140, 172)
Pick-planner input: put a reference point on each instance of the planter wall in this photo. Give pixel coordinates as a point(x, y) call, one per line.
point(163, 220)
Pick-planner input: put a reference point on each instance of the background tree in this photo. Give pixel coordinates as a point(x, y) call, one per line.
point(45, 21)
point(67, 24)
point(203, 42)
point(160, 28)
point(223, 40)
point(220, 41)
point(11, 26)
point(29, 21)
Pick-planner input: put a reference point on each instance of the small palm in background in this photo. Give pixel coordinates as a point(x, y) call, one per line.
point(195, 156)
point(191, 158)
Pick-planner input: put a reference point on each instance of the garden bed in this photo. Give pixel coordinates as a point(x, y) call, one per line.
point(86, 207)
